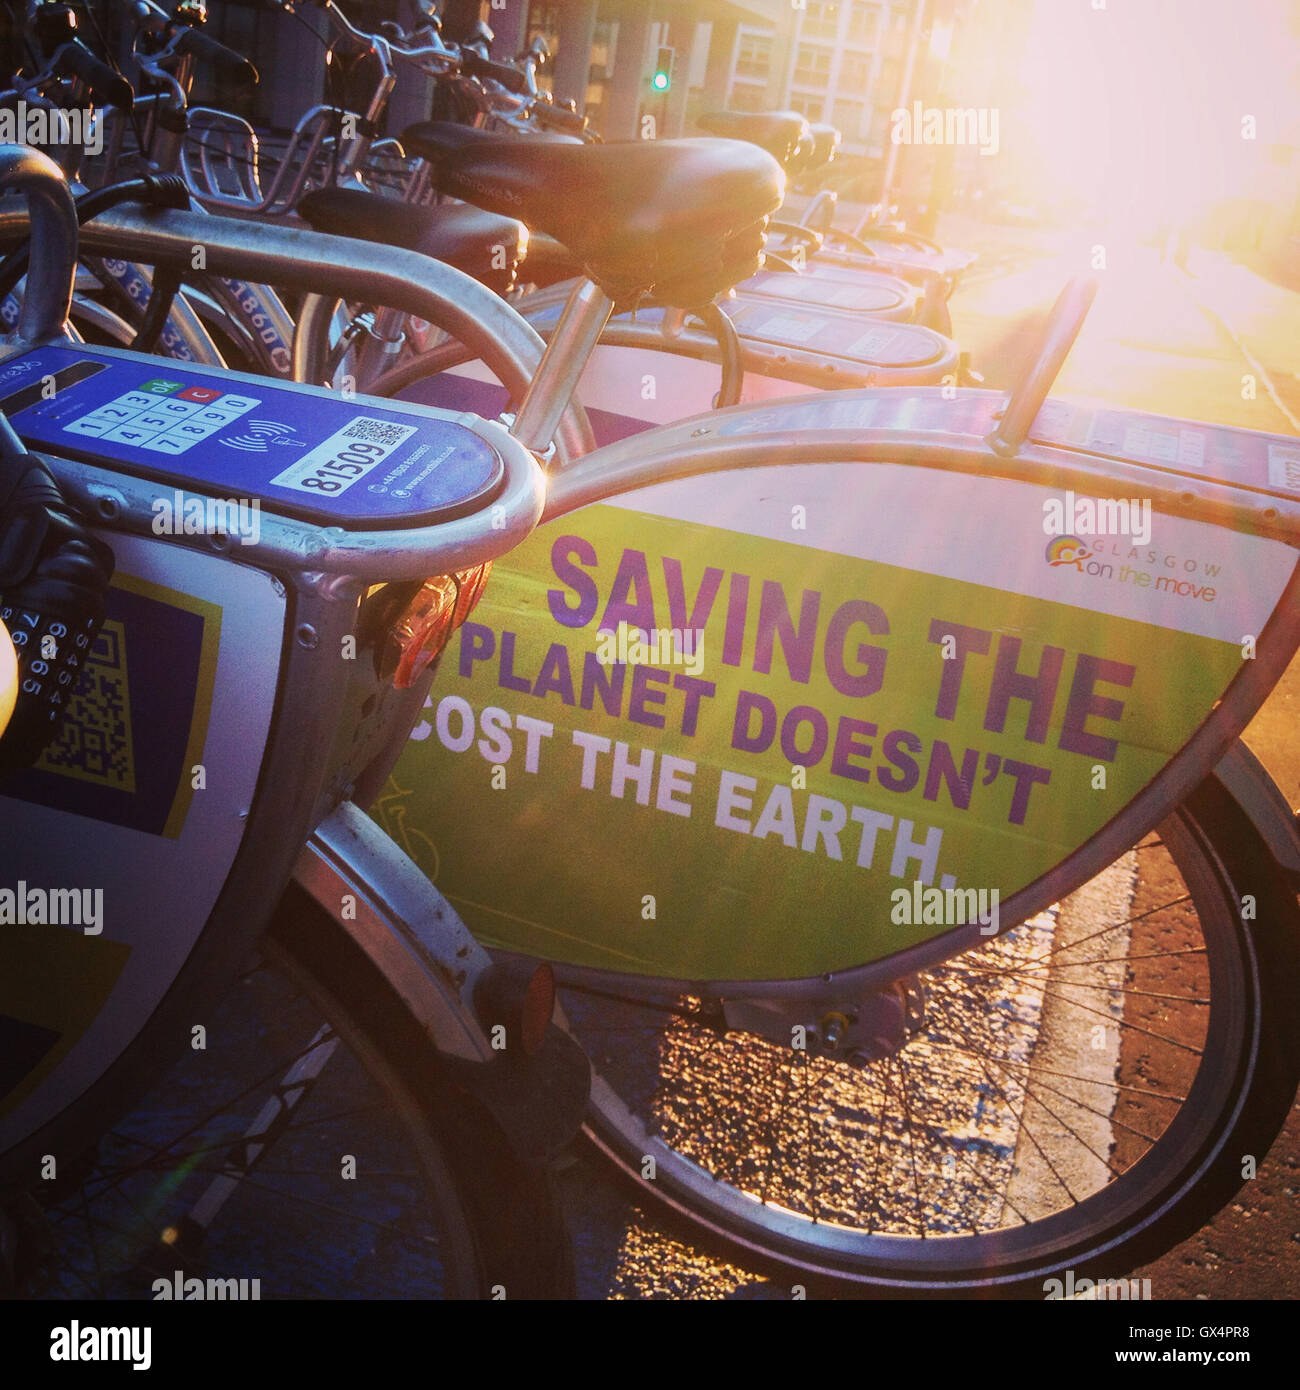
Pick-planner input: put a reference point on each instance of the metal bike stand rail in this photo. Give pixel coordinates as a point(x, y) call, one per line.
point(51, 220)
point(314, 261)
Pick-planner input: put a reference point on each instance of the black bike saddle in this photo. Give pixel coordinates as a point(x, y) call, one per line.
point(488, 247)
point(682, 219)
point(777, 132)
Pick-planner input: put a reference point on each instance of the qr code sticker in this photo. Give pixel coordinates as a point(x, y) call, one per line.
point(377, 431)
point(95, 743)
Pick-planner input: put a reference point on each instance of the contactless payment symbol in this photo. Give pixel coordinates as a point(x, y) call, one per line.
point(258, 436)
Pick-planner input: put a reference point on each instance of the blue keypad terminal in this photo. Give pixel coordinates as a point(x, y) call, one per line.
point(358, 463)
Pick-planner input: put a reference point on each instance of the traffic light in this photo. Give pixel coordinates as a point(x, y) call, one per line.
point(663, 74)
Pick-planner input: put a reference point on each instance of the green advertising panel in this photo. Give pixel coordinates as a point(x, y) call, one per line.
point(678, 749)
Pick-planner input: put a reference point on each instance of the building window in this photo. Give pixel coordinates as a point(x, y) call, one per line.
point(810, 108)
point(755, 57)
point(881, 125)
point(544, 20)
point(821, 19)
point(863, 20)
point(812, 67)
point(848, 118)
point(891, 74)
point(855, 72)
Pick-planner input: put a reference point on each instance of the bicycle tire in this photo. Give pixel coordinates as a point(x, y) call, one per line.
point(437, 1205)
point(1151, 1206)
point(519, 1226)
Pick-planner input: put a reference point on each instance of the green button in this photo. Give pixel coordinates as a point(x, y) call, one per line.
point(160, 386)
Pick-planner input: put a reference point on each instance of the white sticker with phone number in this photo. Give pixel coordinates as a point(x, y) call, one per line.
point(1284, 467)
point(348, 454)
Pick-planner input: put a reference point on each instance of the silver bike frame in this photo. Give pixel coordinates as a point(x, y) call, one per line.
point(307, 260)
point(407, 928)
point(52, 220)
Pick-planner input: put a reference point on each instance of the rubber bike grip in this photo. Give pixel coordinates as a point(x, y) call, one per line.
point(510, 78)
point(107, 87)
point(559, 119)
point(209, 50)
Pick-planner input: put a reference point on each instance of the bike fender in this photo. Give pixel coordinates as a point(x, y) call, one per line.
point(1245, 777)
point(415, 937)
point(402, 923)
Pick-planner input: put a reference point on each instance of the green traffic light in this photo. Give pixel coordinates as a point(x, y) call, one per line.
point(663, 70)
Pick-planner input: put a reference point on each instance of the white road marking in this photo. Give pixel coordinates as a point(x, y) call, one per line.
point(1065, 1133)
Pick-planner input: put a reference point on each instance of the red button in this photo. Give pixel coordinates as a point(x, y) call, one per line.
point(201, 394)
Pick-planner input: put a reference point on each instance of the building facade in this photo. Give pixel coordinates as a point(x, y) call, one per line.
point(838, 61)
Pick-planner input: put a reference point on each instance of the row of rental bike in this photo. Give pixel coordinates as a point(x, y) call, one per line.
point(519, 644)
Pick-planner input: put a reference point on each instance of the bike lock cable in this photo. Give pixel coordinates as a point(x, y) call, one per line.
point(167, 280)
point(154, 190)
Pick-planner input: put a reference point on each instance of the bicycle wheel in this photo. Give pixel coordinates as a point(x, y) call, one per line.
point(1081, 1094)
point(310, 1150)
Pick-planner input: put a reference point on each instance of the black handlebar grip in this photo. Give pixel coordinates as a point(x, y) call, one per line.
point(510, 78)
point(560, 118)
point(107, 87)
point(209, 50)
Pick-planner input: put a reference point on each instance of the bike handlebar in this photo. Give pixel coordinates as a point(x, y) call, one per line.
point(149, 65)
point(550, 116)
point(53, 261)
point(146, 15)
point(508, 77)
point(430, 53)
point(210, 50)
point(107, 87)
point(389, 46)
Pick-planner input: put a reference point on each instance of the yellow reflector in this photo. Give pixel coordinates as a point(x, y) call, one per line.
point(8, 677)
